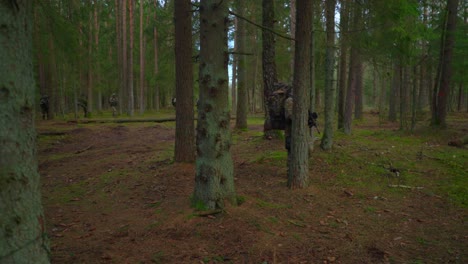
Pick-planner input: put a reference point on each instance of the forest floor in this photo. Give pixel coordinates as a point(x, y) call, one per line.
point(112, 194)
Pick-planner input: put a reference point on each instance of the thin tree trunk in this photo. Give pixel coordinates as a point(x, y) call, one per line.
point(327, 139)
point(268, 59)
point(392, 112)
point(23, 232)
point(156, 59)
point(344, 16)
point(242, 92)
point(292, 14)
point(358, 97)
point(142, 63)
point(235, 59)
point(90, 66)
point(131, 99)
point(125, 89)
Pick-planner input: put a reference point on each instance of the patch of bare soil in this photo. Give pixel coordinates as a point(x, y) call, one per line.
point(112, 195)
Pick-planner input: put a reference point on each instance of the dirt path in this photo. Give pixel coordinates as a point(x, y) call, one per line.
point(112, 195)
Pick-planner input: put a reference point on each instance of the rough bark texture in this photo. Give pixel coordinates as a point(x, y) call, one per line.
point(185, 127)
point(343, 62)
point(327, 139)
point(299, 162)
point(442, 88)
point(268, 58)
point(22, 235)
point(242, 92)
point(214, 181)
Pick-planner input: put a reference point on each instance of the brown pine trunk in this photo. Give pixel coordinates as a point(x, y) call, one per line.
point(124, 53)
point(142, 63)
point(268, 59)
point(235, 59)
point(298, 162)
point(344, 14)
point(185, 127)
point(442, 88)
point(242, 92)
point(131, 99)
point(156, 68)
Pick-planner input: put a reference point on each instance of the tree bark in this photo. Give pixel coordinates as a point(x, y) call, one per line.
point(442, 88)
point(268, 59)
point(123, 17)
point(156, 68)
point(235, 59)
point(131, 99)
point(142, 63)
point(185, 127)
point(23, 237)
point(298, 164)
point(242, 92)
point(329, 109)
point(344, 14)
point(392, 110)
point(214, 180)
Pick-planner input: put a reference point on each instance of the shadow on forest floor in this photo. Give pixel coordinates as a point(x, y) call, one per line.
point(113, 195)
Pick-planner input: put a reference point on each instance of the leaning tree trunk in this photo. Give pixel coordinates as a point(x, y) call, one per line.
point(327, 139)
point(185, 134)
point(442, 88)
point(214, 180)
point(23, 237)
point(298, 172)
point(242, 92)
point(268, 59)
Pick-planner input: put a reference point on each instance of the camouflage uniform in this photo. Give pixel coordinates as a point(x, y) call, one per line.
point(83, 103)
point(113, 103)
point(44, 104)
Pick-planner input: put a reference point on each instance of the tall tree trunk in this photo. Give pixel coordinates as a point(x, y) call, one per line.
point(268, 59)
point(235, 59)
point(90, 66)
point(327, 139)
point(344, 15)
point(97, 63)
point(131, 99)
point(298, 163)
point(185, 127)
point(23, 235)
point(156, 59)
point(242, 92)
point(214, 181)
point(125, 89)
point(142, 63)
point(352, 82)
point(292, 14)
point(442, 88)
